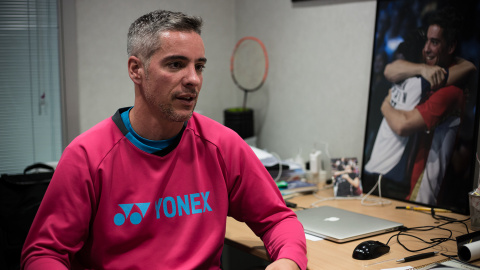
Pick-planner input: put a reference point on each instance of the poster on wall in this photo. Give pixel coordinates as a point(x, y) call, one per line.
point(422, 123)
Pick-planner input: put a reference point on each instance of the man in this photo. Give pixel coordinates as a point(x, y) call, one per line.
point(440, 114)
point(390, 152)
point(151, 187)
point(388, 148)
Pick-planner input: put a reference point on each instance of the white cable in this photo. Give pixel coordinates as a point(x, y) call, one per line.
point(327, 154)
point(478, 181)
point(322, 199)
point(379, 201)
point(279, 166)
point(326, 150)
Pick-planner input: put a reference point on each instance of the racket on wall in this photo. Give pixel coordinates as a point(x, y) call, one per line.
point(249, 65)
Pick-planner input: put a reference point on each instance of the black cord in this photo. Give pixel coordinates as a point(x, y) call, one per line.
point(433, 241)
point(294, 205)
point(290, 204)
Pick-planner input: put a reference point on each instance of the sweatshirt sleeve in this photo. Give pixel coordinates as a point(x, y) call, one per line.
point(61, 224)
point(256, 200)
point(44, 263)
point(440, 103)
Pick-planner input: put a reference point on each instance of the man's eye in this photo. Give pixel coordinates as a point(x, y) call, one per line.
point(175, 65)
point(200, 68)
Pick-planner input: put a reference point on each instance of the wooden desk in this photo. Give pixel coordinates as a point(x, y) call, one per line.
point(325, 254)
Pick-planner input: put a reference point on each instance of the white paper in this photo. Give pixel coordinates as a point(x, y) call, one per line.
point(312, 237)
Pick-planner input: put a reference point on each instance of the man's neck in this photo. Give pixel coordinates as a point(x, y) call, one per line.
point(151, 127)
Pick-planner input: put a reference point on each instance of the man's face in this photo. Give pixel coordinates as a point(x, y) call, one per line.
point(436, 51)
point(174, 75)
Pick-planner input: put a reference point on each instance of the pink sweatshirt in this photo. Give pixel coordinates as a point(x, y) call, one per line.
point(111, 205)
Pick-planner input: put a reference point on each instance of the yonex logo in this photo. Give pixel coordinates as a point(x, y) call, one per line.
point(135, 217)
point(189, 204)
point(195, 203)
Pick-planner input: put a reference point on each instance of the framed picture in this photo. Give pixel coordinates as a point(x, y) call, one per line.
point(346, 177)
point(422, 131)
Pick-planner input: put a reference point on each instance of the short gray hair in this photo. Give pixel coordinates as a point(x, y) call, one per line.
point(143, 34)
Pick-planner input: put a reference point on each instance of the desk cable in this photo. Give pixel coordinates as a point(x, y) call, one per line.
point(433, 241)
point(380, 201)
point(364, 199)
point(279, 166)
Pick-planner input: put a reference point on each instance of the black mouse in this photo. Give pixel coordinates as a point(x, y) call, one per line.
point(368, 250)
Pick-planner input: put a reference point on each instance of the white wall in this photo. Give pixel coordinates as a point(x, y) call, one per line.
point(102, 26)
point(317, 87)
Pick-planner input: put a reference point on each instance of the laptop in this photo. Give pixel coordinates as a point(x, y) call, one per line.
point(340, 225)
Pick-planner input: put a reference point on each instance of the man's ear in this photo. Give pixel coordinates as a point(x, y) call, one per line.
point(135, 69)
point(452, 47)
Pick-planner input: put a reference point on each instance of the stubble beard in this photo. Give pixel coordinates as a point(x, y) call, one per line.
point(169, 112)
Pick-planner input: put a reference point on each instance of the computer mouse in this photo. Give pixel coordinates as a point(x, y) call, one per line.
point(370, 249)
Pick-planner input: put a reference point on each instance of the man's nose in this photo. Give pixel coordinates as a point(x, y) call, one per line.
point(426, 48)
point(192, 76)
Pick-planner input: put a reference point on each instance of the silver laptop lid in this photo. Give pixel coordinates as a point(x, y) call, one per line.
point(341, 225)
